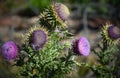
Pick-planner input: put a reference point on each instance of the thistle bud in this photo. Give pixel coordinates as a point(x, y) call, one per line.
point(114, 32)
point(110, 33)
point(36, 37)
point(55, 15)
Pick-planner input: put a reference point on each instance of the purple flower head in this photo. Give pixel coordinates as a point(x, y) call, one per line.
point(9, 50)
point(62, 11)
point(81, 46)
point(114, 32)
point(38, 39)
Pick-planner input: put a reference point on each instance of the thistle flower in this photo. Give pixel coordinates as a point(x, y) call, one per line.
point(110, 33)
point(81, 46)
point(114, 32)
point(36, 37)
point(62, 11)
point(9, 50)
point(56, 15)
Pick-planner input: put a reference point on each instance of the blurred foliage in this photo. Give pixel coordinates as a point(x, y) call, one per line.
point(40, 4)
point(7, 5)
point(114, 2)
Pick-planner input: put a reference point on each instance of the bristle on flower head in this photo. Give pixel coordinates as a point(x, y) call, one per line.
point(9, 50)
point(36, 37)
point(110, 33)
point(81, 46)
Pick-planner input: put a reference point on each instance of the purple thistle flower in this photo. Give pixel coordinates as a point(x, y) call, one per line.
point(9, 50)
point(62, 11)
point(38, 39)
point(81, 46)
point(114, 32)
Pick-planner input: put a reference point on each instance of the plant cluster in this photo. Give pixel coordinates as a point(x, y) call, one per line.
point(45, 54)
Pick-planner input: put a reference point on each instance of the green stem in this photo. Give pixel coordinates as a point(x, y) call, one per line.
point(82, 64)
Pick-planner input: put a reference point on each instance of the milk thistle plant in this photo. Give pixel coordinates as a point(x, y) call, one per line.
point(43, 55)
point(108, 53)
